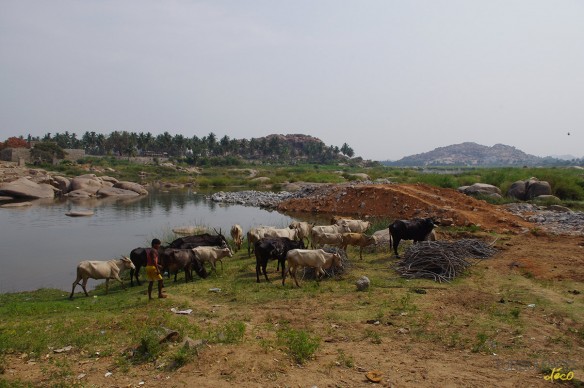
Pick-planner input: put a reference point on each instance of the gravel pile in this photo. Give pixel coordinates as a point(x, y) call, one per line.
point(262, 199)
point(555, 219)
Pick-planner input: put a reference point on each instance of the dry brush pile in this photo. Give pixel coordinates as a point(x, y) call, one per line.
point(442, 261)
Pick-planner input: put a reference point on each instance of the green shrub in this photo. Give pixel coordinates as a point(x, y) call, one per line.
point(230, 333)
point(182, 356)
point(149, 348)
point(300, 345)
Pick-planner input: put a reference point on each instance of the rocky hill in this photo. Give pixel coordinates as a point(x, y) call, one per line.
point(473, 154)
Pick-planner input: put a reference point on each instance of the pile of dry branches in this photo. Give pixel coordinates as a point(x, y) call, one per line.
point(442, 260)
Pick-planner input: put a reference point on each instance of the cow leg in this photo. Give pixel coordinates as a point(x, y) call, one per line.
point(221, 261)
point(188, 274)
point(137, 272)
point(361, 253)
point(395, 245)
point(74, 284)
point(283, 263)
point(293, 272)
point(117, 277)
point(257, 272)
point(264, 269)
point(83, 284)
point(106, 286)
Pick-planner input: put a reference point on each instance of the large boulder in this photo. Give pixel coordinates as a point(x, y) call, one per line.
point(88, 183)
point(79, 194)
point(529, 189)
point(110, 179)
point(517, 190)
point(136, 187)
point(25, 188)
point(61, 183)
point(481, 189)
point(115, 192)
point(537, 188)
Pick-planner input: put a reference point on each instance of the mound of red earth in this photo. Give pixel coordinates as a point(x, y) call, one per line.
point(406, 201)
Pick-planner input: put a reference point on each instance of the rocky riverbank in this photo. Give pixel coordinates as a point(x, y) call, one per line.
point(17, 183)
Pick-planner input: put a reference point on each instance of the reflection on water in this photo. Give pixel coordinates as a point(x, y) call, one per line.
point(41, 246)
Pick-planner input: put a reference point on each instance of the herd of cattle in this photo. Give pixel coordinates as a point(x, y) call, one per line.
point(286, 245)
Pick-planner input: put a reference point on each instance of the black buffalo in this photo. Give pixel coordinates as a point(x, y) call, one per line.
point(199, 240)
point(417, 229)
point(139, 258)
point(273, 248)
point(173, 260)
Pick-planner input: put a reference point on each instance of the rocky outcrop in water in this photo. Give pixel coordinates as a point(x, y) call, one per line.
point(25, 188)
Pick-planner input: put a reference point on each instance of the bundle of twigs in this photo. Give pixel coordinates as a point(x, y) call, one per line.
point(442, 260)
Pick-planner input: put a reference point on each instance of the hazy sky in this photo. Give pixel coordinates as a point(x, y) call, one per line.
point(390, 78)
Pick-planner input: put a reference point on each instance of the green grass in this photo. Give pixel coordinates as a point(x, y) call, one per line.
point(299, 344)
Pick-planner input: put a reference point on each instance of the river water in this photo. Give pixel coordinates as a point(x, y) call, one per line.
point(41, 246)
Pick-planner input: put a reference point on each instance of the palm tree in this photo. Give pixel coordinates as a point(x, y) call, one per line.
point(224, 145)
point(346, 150)
point(179, 145)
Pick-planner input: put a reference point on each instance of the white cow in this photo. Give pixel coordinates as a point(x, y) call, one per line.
point(101, 270)
point(335, 239)
point(304, 229)
point(212, 255)
point(292, 234)
point(254, 234)
point(319, 230)
point(314, 258)
point(356, 226)
point(237, 236)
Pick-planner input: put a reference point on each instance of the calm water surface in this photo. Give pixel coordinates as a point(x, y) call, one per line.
point(41, 246)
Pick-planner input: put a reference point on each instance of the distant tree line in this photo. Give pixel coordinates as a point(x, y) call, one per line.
point(197, 150)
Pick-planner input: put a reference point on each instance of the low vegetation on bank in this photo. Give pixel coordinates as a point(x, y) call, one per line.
point(566, 183)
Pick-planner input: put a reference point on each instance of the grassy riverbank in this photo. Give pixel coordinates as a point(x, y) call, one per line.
point(239, 327)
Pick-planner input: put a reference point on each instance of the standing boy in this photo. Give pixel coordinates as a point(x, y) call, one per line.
point(153, 269)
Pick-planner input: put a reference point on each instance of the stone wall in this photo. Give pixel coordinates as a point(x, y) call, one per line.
point(15, 154)
point(74, 154)
point(144, 159)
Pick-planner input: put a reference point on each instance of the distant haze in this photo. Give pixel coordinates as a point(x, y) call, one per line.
point(389, 78)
